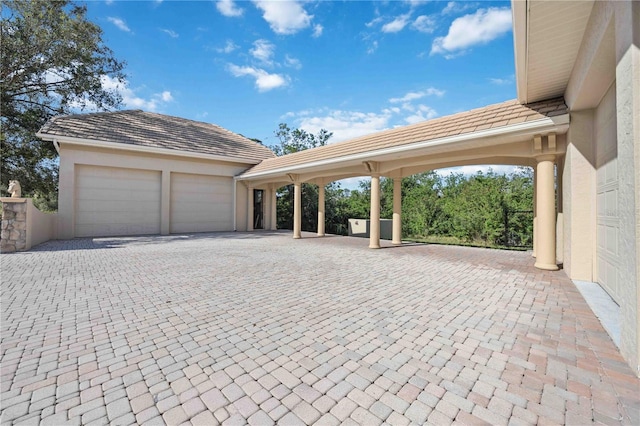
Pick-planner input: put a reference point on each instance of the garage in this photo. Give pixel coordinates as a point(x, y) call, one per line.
point(607, 216)
point(201, 203)
point(114, 201)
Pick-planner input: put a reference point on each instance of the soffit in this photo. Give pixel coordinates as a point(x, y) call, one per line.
point(552, 39)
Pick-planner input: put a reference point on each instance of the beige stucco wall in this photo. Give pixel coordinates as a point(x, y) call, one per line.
point(604, 88)
point(73, 155)
point(41, 226)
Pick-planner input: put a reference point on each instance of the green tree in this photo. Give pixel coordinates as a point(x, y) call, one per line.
point(53, 61)
point(291, 141)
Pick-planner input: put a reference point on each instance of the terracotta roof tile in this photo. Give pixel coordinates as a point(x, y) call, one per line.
point(147, 129)
point(492, 116)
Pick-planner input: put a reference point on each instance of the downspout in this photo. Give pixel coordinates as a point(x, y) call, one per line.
point(56, 145)
point(235, 201)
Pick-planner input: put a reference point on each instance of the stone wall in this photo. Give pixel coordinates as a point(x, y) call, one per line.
point(14, 226)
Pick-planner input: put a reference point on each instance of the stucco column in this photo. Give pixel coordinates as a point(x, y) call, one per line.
point(321, 209)
point(535, 209)
point(374, 219)
point(546, 209)
point(274, 209)
point(297, 210)
point(396, 237)
point(250, 208)
point(165, 203)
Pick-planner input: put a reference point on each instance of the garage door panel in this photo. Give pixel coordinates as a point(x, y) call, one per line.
point(114, 201)
point(607, 219)
point(201, 203)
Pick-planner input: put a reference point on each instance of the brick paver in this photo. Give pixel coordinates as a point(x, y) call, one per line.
point(258, 328)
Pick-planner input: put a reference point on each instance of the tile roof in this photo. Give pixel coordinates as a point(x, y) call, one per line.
point(489, 117)
point(147, 129)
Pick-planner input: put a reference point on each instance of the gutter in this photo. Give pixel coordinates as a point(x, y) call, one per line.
point(531, 127)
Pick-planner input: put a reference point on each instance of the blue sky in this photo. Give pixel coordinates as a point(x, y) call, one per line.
point(351, 67)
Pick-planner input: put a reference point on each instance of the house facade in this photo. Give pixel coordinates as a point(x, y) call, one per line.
point(576, 122)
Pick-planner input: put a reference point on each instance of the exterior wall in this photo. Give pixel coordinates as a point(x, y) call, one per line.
point(627, 35)
point(241, 206)
point(73, 155)
point(578, 200)
point(41, 226)
point(603, 157)
point(360, 228)
point(24, 226)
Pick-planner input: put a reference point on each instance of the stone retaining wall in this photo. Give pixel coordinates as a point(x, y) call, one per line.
point(14, 226)
point(24, 226)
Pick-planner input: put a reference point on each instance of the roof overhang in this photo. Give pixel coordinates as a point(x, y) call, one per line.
point(547, 38)
point(490, 137)
point(57, 140)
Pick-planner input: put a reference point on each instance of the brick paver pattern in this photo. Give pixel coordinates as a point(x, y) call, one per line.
point(238, 328)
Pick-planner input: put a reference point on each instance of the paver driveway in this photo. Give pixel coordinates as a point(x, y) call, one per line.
point(260, 328)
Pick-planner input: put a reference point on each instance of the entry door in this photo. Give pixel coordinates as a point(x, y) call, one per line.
point(258, 209)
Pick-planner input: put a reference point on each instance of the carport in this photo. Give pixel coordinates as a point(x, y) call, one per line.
point(508, 133)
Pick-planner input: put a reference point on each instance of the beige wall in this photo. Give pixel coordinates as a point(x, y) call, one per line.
point(41, 226)
point(73, 155)
point(602, 164)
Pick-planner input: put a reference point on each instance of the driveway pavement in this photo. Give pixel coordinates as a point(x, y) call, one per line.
point(261, 329)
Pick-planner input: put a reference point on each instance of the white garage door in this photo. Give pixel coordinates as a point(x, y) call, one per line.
point(608, 228)
point(113, 201)
point(201, 203)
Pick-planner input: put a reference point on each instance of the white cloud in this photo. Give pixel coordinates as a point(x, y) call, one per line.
point(424, 24)
point(423, 112)
point(479, 28)
point(263, 51)
point(292, 62)
point(412, 96)
point(473, 170)
point(130, 99)
point(263, 80)
point(346, 124)
point(317, 30)
point(457, 7)
point(415, 3)
point(374, 22)
point(229, 47)
point(228, 8)
point(284, 17)
point(171, 33)
point(373, 47)
point(397, 24)
point(119, 23)
point(501, 81)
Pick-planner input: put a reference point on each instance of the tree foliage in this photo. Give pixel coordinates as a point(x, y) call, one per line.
point(53, 61)
point(290, 141)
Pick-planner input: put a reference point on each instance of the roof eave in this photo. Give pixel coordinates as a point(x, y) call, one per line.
point(558, 124)
point(57, 139)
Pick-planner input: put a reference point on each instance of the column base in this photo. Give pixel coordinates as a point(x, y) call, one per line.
point(396, 243)
point(546, 266)
point(374, 246)
point(297, 237)
point(320, 235)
